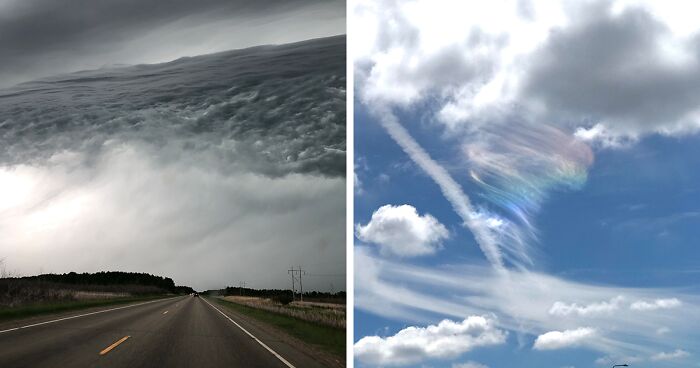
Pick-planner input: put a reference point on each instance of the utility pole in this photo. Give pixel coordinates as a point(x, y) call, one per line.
point(294, 272)
point(301, 287)
point(291, 272)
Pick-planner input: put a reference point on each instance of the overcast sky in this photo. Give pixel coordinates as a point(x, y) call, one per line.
point(212, 170)
point(45, 37)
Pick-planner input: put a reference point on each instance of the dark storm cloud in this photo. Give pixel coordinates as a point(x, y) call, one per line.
point(627, 70)
point(45, 37)
point(271, 110)
point(211, 169)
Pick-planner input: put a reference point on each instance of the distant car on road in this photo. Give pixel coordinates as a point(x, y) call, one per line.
point(195, 295)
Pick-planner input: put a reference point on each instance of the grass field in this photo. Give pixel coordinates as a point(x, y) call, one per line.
point(327, 314)
point(330, 339)
point(7, 314)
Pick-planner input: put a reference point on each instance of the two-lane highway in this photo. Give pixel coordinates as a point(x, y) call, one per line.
point(175, 332)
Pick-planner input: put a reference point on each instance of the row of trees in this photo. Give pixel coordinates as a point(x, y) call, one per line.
point(107, 279)
point(280, 294)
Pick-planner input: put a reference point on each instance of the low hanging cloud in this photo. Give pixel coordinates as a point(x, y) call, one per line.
point(553, 340)
point(401, 231)
point(412, 345)
point(201, 169)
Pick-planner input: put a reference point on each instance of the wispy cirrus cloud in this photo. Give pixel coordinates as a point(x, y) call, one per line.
point(523, 302)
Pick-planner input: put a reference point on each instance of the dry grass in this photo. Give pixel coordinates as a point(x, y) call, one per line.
point(16, 293)
point(326, 314)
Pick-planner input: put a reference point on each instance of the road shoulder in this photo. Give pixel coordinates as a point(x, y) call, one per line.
point(298, 352)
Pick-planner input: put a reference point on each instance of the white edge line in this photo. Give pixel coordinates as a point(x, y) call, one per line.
point(82, 315)
point(288, 364)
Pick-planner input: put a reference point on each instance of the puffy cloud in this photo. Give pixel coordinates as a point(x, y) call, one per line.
point(563, 339)
point(676, 354)
point(599, 135)
point(447, 339)
point(642, 305)
point(400, 230)
point(563, 309)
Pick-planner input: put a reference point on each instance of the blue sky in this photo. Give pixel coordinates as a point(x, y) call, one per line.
point(542, 208)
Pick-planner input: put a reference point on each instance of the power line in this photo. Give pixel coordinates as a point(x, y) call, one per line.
point(296, 276)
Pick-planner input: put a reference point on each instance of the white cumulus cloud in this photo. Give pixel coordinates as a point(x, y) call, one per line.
point(401, 231)
point(676, 354)
point(447, 339)
point(564, 309)
point(642, 305)
point(563, 339)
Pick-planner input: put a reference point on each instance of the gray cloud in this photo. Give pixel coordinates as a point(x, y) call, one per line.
point(44, 37)
point(210, 170)
point(266, 109)
point(627, 70)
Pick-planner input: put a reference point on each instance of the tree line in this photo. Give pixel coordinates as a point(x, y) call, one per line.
point(278, 293)
point(165, 284)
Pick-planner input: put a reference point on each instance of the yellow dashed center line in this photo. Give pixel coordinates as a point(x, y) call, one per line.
point(109, 348)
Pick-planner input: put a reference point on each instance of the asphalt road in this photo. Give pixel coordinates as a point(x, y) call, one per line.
point(176, 332)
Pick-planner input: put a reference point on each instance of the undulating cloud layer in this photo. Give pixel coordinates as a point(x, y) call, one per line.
point(41, 38)
point(201, 169)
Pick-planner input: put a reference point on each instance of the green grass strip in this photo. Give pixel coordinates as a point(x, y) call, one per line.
point(329, 339)
point(7, 314)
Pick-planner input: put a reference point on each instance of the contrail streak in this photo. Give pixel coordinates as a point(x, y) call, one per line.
point(482, 226)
